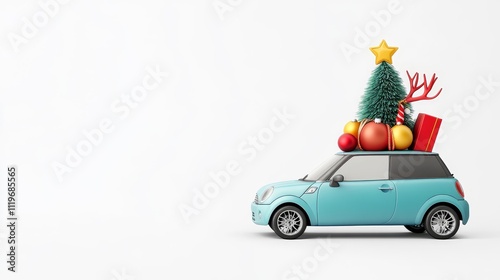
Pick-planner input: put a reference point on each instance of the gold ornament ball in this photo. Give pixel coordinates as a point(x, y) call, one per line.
point(403, 137)
point(352, 128)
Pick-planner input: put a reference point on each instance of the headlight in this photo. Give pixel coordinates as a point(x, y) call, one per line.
point(266, 194)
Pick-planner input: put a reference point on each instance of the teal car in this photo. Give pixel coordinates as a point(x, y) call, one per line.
point(409, 188)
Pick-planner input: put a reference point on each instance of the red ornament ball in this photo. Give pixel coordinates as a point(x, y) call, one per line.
point(374, 136)
point(347, 142)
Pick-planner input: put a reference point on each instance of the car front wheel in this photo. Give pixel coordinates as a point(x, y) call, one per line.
point(416, 228)
point(442, 222)
point(289, 222)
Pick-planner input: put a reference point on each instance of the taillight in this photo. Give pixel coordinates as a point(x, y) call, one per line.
point(459, 188)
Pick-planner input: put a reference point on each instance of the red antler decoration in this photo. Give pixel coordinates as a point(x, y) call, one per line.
point(414, 86)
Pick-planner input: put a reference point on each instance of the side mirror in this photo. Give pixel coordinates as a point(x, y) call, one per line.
point(336, 179)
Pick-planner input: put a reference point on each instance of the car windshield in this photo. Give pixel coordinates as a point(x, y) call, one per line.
point(322, 169)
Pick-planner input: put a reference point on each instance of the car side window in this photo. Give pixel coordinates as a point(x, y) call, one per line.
point(369, 167)
point(417, 167)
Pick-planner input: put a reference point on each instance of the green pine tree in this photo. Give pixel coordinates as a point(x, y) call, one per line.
point(382, 95)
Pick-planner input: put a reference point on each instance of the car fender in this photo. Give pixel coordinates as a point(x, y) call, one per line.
point(298, 201)
point(435, 200)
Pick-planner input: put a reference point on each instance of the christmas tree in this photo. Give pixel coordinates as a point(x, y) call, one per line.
point(385, 90)
point(385, 111)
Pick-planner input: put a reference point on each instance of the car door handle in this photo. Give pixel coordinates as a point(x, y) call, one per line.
point(385, 188)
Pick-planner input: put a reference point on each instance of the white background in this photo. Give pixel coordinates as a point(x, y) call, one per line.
point(116, 214)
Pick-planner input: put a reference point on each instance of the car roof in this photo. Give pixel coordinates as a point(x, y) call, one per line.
point(405, 152)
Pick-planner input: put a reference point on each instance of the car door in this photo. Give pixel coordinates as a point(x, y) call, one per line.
point(365, 197)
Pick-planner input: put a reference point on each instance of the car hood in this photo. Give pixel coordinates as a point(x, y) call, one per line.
point(292, 187)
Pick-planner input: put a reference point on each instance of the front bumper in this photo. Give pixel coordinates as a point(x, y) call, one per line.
point(261, 213)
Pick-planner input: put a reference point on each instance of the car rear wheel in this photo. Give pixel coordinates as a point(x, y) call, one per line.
point(442, 222)
point(416, 228)
point(289, 222)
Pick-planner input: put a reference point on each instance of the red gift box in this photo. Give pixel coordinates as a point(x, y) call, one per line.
point(425, 132)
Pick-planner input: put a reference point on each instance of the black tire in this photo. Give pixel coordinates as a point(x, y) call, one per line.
point(442, 222)
point(416, 228)
point(289, 222)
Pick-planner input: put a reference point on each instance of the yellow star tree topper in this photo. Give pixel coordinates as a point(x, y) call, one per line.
point(383, 52)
